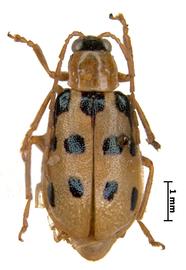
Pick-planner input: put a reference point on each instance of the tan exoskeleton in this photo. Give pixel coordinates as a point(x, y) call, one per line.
point(79, 210)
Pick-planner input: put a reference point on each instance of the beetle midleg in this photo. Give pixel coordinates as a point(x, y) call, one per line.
point(34, 125)
point(26, 155)
point(39, 203)
point(150, 135)
point(39, 141)
point(27, 161)
point(147, 163)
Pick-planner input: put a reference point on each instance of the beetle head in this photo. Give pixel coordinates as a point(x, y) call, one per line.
point(91, 66)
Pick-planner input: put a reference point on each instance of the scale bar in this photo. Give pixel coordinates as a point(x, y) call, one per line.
point(168, 202)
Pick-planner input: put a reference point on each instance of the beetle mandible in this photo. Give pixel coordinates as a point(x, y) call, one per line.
point(92, 184)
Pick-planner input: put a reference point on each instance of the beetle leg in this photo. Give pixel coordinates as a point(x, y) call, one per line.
point(37, 50)
point(39, 141)
point(60, 235)
point(39, 203)
point(150, 135)
point(35, 123)
point(147, 163)
point(123, 77)
point(26, 155)
point(149, 236)
point(27, 161)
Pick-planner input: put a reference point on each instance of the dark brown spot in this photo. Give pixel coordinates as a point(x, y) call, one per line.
point(132, 148)
point(134, 198)
point(112, 145)
point(62, 102)
point(53, 143)
point(74, 144)
point(92, 103)
point(122, 103)
point(110, 189)
point(76, 187)
point(51, 194)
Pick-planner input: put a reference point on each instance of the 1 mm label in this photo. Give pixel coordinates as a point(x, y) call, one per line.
point(170, 200)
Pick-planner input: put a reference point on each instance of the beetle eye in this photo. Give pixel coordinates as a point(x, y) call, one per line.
point(107, 45)
point(77, 45)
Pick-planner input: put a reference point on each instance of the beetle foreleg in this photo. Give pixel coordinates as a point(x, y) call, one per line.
point(123, 77)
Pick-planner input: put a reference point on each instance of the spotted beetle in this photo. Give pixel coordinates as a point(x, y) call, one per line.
point(92, 184)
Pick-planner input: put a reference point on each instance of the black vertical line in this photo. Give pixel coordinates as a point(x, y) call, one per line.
point(168, 201)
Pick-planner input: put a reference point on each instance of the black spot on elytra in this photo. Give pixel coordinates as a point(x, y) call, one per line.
point(132, 148)
point(53, 143)
point(51, 194)
point(62, 102)
point(122, 103)
point(134, 198)
point(76, 187)
point(110, 189)
point(92, 103)
point(74, 144)
point(112, 146)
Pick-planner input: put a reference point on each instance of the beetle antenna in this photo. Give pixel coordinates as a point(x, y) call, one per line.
point(125, 47)
point(127, 42)
point(62, 55)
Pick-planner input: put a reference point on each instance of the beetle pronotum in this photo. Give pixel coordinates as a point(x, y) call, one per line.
point(92, 166)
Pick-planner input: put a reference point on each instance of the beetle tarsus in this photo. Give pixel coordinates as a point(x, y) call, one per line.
point(157, 244)
point(25, 222)
point(155, 144)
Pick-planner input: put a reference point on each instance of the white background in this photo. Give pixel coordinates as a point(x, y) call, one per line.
point(157, 29)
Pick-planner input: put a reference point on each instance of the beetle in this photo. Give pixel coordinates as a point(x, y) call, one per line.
point(92, 167)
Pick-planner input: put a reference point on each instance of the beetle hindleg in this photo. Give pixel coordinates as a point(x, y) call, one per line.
point(149, 236)
point(58, 234)
point(147, 163)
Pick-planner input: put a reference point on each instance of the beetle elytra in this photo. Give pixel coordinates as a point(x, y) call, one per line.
point(91, 184)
